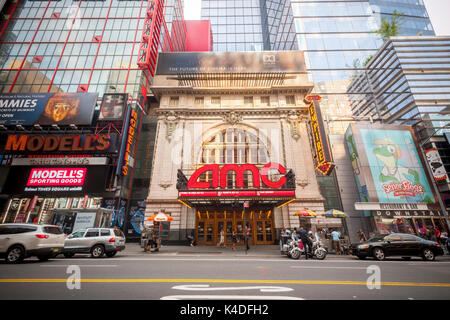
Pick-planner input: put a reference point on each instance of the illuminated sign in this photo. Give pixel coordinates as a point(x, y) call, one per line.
point(47, 108)
point(219, 176)
point(130, 141)
point(237, 194)
point(61, 143)
point(323, 157)
point(56, 177)
point(436, 165)
point(60, 161)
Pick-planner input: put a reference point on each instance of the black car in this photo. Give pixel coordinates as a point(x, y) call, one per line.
point(396, 244)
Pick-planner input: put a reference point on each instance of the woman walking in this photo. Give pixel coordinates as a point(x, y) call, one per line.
point(234, 239)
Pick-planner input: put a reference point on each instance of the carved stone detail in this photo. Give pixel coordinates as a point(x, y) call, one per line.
point(232, 117)
point(171, 120)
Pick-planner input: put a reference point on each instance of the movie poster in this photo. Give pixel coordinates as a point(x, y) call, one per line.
point(47, 108)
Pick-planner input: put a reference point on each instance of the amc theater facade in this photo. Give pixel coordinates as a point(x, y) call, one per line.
point(233, 144)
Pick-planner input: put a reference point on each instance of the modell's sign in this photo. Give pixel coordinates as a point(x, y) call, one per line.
point(324, 164)
point(219, 176)
point(57, 177)
point(61, 143)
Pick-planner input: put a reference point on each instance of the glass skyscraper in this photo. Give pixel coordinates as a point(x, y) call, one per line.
point(337, 38)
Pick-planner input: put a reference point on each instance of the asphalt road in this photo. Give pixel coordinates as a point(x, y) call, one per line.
point(205, 277)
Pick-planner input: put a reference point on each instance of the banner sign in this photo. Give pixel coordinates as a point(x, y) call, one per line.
point(323, 155)
point(175, 63)
point(47, 108)
point(113, 106)
point(95, 143)
point(287, 193)
point(63, 161)
point(436, 165)
point(57, 177)
point(387, 165)
point(393, 206)
point(46, 181)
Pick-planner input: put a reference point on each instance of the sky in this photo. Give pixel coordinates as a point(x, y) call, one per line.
point(438, 10)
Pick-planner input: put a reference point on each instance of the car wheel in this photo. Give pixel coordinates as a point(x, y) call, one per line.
point(111, 254)
point(406, 258)
point(97, 251)
point(361, 257)
point(68, 255)
point(428, 255)
point(15, 254)
point(378, 254)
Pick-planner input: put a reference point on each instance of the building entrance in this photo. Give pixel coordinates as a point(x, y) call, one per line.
point(210, 223)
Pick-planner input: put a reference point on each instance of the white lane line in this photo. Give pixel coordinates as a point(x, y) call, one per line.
point(321, 267)
point(81, 266)
point(228, 297)
point(207, 287)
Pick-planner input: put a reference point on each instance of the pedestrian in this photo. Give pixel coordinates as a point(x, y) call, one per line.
point(191, 238)
point(247, 235)
point(222, 239)
point(234, 239)
point(336, 242)
point(444, 237)
point(437, 233)
point(362, 236)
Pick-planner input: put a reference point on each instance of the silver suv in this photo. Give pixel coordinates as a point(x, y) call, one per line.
point(96, 241)
point(22, 240)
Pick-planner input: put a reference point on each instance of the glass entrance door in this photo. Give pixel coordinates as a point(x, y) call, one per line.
point(210, 223)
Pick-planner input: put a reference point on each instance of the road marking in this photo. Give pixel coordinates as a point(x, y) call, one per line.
point(305, 282)
point(229, 297)
point(320, 267)
point(81, 266)
point(206, 287)
point(245, 259)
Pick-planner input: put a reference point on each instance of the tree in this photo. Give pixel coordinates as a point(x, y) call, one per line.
point(390, 28)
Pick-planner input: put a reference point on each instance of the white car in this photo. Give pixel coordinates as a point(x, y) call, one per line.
point(22, 240)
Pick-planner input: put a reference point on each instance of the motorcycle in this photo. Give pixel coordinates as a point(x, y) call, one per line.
point(317, 251)
point(292, 248)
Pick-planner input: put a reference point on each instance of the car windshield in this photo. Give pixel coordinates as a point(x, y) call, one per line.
point(377, 238)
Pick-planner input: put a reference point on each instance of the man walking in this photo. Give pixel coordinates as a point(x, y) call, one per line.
point(247, 234)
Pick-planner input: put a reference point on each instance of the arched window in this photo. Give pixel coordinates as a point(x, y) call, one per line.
point(234, 146)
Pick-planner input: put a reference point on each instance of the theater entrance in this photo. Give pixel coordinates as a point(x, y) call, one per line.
point(210, 222)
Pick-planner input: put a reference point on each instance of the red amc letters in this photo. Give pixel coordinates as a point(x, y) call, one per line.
point(57, 177)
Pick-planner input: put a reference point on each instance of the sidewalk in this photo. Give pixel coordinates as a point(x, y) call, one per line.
point(261, 251)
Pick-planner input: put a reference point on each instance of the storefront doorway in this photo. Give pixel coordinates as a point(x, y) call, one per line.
point(210, 223)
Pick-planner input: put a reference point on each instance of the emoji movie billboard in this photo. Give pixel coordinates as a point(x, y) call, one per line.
point(387, 165)
point(47, 108)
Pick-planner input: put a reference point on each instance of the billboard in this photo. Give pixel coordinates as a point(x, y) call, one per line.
point(387, 165)
point(47, 108)
point(56, 181)
point(113, 106)
point(46, 143)
point(174, 63)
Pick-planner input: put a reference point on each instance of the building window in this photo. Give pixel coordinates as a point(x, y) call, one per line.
point(198, 102)
point(215, 100)
point(290, 100)
point(248, 101)
point(265, 101)
point(174, 101)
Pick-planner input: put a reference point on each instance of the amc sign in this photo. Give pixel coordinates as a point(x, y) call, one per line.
point(56, 177)
point(219, 176)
